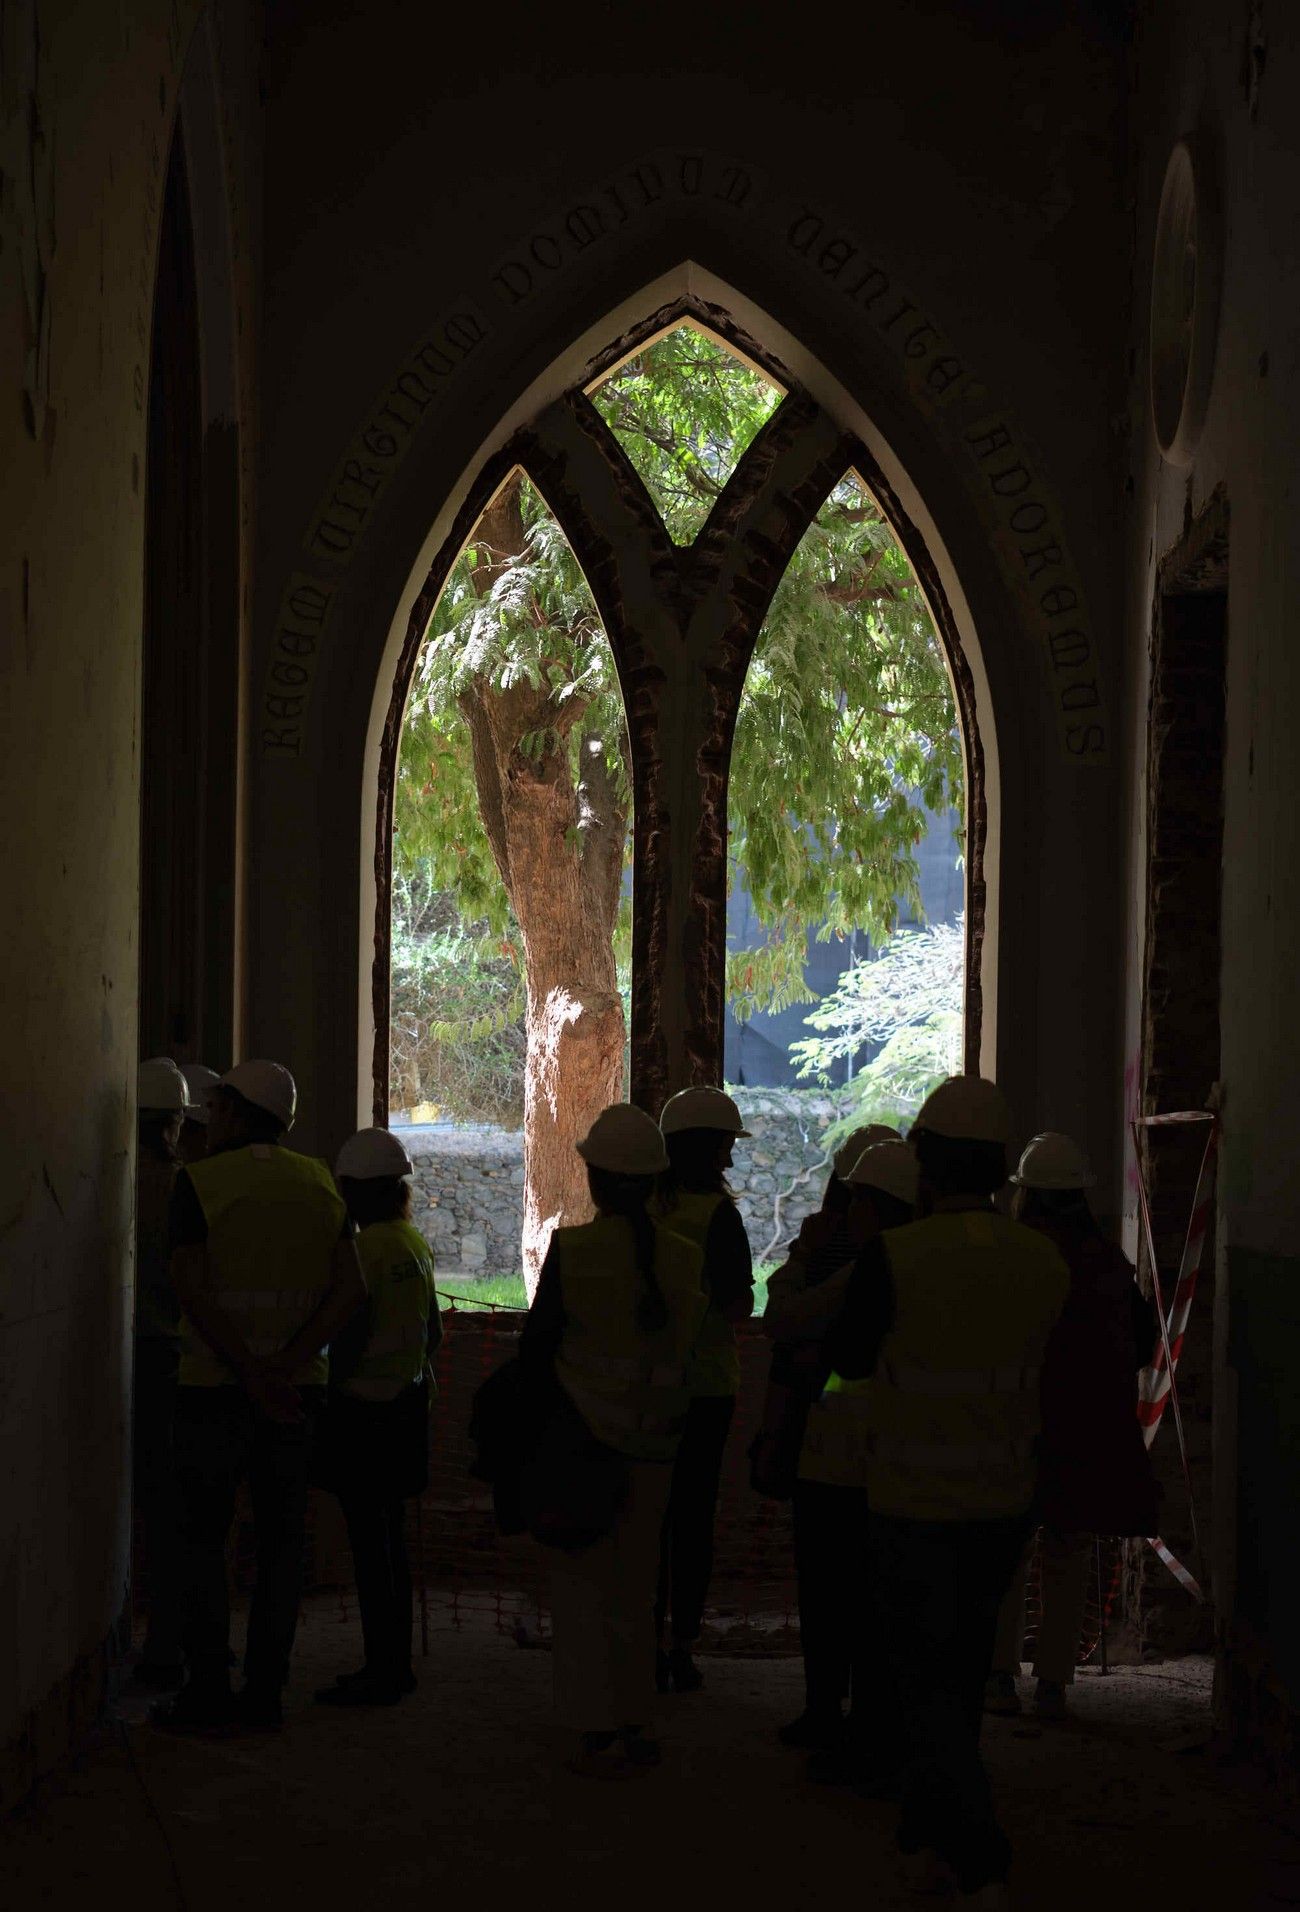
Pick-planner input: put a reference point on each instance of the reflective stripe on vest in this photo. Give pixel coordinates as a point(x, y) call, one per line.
point(398, 1266)
point(949, 1419)
point(715, 1364)
point(274, 1218)
point(629, 1386)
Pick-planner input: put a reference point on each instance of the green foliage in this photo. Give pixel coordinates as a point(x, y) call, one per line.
point(457, 1041)
point(908, 998)
point(685, 411)
point(845, 735)
point(535, 626)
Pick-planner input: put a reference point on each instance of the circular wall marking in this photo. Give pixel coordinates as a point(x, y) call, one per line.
point(1185, 281)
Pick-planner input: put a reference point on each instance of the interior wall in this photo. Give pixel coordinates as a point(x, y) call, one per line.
point(1233, 74)
point(88, 103)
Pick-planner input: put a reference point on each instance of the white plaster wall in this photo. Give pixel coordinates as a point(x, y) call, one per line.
point(80, 218)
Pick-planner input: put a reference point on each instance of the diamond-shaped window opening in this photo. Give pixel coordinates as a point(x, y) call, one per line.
point(685, 408)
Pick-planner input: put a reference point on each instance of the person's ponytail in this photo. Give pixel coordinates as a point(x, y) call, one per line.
point(628, 1196)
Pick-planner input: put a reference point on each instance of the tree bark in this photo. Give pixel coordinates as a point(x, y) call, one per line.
point(559, 847)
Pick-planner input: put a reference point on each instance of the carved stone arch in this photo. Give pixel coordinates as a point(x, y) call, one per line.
point(343, 618)
point(682, 624)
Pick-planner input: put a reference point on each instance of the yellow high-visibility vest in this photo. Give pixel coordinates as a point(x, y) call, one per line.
point(273, 1218)
point(950, 1416)
point(833, 1451)
point(715, 1364)
point(397, 1263)
point(628, 1385)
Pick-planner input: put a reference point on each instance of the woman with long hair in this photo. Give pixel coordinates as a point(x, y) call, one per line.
point(617, 1313)
point(700, 1128)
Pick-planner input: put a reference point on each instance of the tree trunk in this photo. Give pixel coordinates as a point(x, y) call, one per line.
point(559, 846)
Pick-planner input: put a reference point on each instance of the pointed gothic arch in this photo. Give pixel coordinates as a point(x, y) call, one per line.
point(682, 622)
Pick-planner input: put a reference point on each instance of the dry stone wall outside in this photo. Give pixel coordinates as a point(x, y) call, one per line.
point(469, 1182)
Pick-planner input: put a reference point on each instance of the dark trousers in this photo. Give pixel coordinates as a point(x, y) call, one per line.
point(156, 1498)
point(221, 1439)
point(829, 1556)
point(377, 1533)
point(936, 1589)
point(686, 1547)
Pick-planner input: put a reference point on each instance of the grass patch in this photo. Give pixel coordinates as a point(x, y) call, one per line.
point(507, 1291)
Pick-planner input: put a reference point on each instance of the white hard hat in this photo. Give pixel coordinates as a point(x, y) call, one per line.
point(1053, 1160)
point(851, 1148)
point(267, 1085)
point(889, 1166)
point(372, 1154)
point(201, 1081)
point(160, 1085)
point(625, 1141)
point(701, 1109)
point(966, 1108)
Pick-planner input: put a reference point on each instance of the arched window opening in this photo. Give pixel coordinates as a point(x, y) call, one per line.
point(791, 735)
point(845, 928)
point(685, 410)
point(511, 913)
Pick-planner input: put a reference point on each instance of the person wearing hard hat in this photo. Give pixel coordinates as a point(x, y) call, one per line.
point(830, 1502)
point(618, 1311)
point(947, 1320)
point(828, 1237)
point(200, 1081)
point(162, 1102)
point(700, 1128)
point(1095, 1475)
point(377, 1423)
point(266, 1272)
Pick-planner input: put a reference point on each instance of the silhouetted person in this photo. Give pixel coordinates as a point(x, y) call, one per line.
point(827, 1237)
point(266, 1272)
point(1095, 1475)
point(840, 1652)
point(618, 1310)
point(948, 1319)
point(699, 1128)
point(376, 1435)
point(162, 1100)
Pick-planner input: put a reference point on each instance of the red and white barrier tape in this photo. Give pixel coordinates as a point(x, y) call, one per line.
point(1157, 1386)
point(1176, 1567)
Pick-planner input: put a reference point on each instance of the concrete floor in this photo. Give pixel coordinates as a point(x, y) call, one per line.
point(455, 1798)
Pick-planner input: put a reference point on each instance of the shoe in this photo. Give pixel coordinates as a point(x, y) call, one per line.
point(161, 1676)
point(683, 1672)
point(1049, 1700)
point(257, 1710)
point(1000, 1695)
point(813, 1733)
point(361, 1692)
point(638, 1749)
point(194, 1711)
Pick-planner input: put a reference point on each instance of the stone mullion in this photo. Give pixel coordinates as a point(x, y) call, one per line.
point(682, 625)
point(735, 567)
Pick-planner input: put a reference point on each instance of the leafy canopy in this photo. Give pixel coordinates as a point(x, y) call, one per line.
point(685, 411)
point(908, 999)
point(846, 733)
